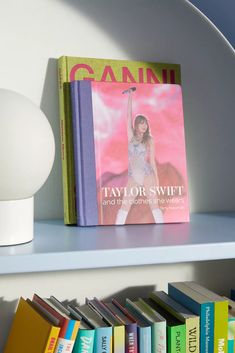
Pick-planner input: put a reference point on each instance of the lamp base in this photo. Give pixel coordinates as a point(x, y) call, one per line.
point(16, 221)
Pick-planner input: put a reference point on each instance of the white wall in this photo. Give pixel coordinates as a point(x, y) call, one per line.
point(34, 33)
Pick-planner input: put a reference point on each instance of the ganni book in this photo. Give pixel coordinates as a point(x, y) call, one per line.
point(71, 68)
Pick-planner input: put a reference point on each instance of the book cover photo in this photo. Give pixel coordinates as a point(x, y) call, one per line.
point(130, 158)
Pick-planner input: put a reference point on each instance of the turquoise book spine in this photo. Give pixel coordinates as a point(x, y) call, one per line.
point(84, 341)
point(103, 340)
point(145, 339)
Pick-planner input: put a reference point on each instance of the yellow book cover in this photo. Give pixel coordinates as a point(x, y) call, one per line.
point(192, 321)
point(106, 70)
point(30, 332)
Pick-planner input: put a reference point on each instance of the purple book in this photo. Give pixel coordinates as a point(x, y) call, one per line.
point(87, 212)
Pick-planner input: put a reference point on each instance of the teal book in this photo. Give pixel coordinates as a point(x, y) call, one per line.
point(157, 322)
point(86, 334)
point(103, 331)
point(199, 305)
point(231, 325)
point(144, 330)
point(220, 315)
point(118, 328)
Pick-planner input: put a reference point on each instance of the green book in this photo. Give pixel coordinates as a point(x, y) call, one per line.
point(192, 321)
point(176, 330)
point(77, 68)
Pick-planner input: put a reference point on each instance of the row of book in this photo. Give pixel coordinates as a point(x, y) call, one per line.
point(189, 319)
point(122, 142)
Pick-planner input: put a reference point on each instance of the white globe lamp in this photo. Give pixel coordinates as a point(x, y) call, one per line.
point(27, 151)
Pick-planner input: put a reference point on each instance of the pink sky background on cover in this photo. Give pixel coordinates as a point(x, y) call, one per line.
point(160, 103)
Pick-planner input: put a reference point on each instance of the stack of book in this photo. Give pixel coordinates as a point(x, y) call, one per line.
point(122, 142)
point(189, 319)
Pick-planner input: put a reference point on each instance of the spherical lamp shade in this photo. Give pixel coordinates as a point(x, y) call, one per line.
point(27, 151)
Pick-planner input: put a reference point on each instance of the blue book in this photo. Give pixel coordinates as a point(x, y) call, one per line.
point(199, 305)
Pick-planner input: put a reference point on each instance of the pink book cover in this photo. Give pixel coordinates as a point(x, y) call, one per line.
point(140, 155)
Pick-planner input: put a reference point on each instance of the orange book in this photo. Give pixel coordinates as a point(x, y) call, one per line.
point(31, 331)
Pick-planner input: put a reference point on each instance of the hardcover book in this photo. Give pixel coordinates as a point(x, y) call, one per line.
point(231, 325)
point(157, 322)
point(192, 321)
point(220, 315)
point(175, 328)
point(130, 157)
point(103, 339)
point(86, 334)
point(31, 331)
point(131, 336)
point(144, 329)
point(68, 326)
point(106, 70)
point(199, 305)
point(118, 327)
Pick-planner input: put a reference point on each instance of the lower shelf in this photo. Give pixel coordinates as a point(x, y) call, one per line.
point(58, 247)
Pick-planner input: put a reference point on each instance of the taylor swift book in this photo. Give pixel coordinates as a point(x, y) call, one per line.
point(130, 159)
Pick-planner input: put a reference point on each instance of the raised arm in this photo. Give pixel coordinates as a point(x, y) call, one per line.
point(129, 116)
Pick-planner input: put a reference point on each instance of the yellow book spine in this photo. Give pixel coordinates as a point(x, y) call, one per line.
point(193, 335)
point(52, 339)
point(119, 339)
point(221, 327)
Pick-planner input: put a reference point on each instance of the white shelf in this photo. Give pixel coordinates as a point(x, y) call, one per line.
point(59, 247)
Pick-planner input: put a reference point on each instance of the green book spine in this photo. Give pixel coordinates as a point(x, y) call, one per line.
point(68, 175)
point(176, 339)
point(221, 327)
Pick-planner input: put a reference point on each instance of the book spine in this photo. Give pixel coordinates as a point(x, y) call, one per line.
point(144, 339)
point(84, 341)
point(52, 340)
point(176, 339)
point(64, 345)
point(119, 339)
point(231, 335)
point(88, 155)
point(77, 150)
point(159, 344)
point(68, 177)
point(103, 340)
point(193, 335)
point(206, 313)
point(131, 338)
point(221, 327)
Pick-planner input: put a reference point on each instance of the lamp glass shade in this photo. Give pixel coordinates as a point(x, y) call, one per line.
point(27, 151)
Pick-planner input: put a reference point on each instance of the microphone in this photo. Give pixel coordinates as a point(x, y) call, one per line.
point(129, 90)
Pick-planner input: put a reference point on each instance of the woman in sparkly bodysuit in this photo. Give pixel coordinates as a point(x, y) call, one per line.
point(142, 169)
